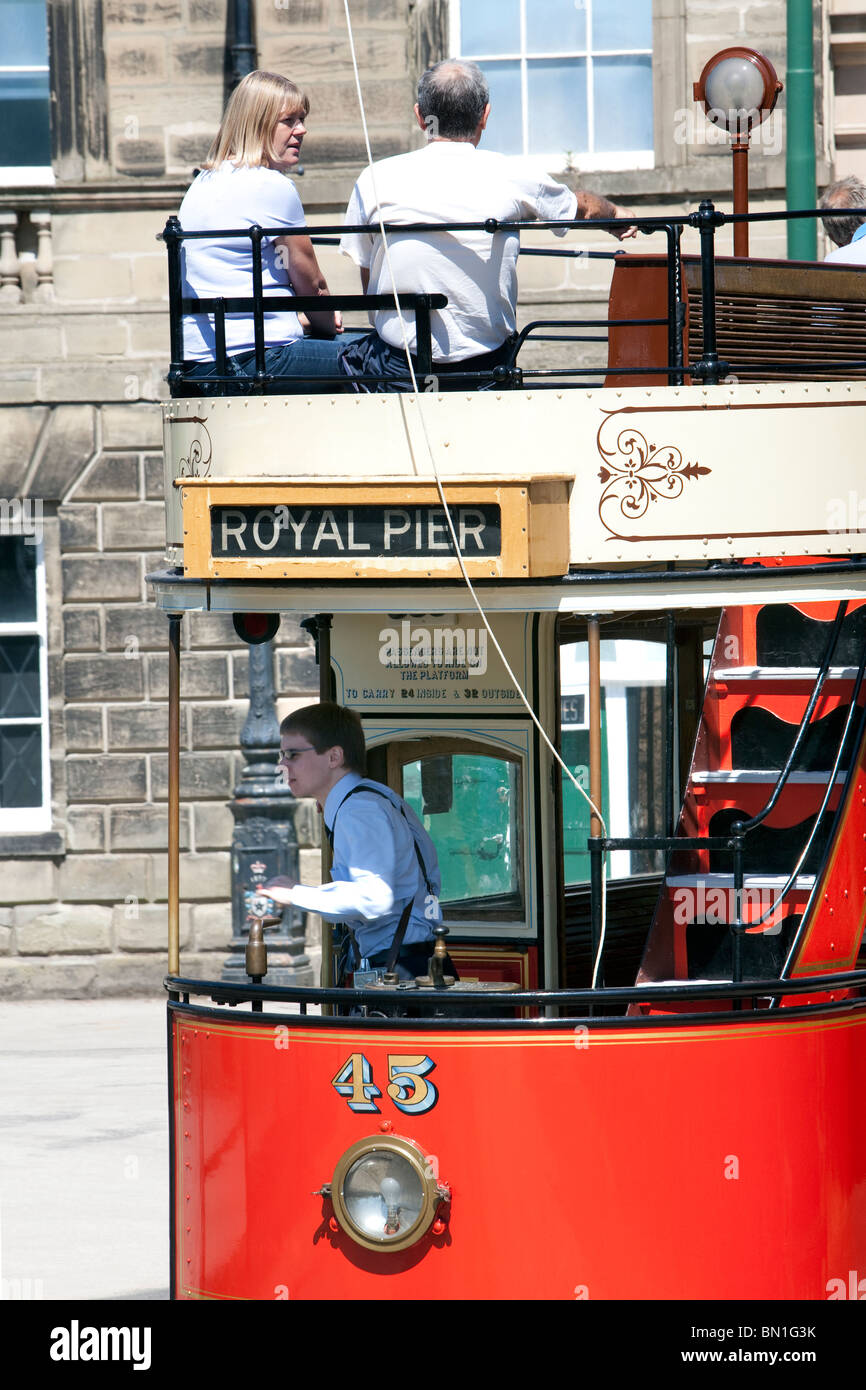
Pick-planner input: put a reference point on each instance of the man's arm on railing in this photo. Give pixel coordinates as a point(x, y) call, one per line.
point(591, 206)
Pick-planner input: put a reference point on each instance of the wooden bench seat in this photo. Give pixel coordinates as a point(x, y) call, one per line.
point(769, 313)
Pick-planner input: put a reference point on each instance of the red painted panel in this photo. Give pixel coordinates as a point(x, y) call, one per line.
point(700, 1162)
point(834, 931)
point(494, 962)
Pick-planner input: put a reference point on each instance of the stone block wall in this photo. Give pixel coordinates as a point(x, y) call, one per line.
point(166, 69)
point(83, 908)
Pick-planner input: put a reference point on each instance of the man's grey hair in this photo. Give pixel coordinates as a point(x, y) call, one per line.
point(849, 192)
point(452, 96)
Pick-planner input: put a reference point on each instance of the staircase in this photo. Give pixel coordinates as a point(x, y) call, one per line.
point(806, 910)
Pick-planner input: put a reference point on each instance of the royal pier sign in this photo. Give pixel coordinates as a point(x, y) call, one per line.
point(386, 532)
point(306, 529)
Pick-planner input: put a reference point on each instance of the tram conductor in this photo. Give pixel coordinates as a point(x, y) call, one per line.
point(385, 872)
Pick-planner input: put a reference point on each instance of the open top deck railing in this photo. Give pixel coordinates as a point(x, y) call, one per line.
point(696, 314)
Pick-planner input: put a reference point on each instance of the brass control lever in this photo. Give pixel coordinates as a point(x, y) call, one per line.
point(437, 961)
point(256, 953)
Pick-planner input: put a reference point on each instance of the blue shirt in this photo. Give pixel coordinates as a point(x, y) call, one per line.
point(375, 870)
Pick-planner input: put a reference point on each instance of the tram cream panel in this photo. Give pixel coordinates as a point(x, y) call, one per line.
point(661, 474)
point(729, 471)
point(430, 664)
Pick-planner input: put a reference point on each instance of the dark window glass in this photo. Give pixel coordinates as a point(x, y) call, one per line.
point(24, 94)
point(25, 133)
point(17, 578)
point(20, 765)
point(19, 677)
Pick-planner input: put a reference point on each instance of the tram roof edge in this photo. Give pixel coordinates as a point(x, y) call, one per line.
point(717, 586)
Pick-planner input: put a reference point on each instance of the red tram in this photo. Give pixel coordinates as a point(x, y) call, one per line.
point(660, 1028)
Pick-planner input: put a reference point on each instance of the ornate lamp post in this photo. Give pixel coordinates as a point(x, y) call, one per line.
point(738, 89)
point(263, 842)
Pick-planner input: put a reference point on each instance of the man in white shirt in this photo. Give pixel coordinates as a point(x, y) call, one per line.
point(385, 871)
point(848, 233)
point(451, 180)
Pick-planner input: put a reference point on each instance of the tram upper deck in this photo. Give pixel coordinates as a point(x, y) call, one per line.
point(740, 440)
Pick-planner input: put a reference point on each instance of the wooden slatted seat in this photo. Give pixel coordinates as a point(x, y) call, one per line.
point(769, 313)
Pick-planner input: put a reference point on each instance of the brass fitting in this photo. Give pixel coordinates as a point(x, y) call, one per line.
point(437, 960)
point(256, 954)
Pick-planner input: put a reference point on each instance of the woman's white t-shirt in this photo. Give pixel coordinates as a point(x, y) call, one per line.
point(223, 199)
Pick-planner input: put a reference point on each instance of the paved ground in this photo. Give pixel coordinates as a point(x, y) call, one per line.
point(83, 1150)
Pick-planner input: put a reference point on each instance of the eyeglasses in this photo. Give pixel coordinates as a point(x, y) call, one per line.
point(288, 755)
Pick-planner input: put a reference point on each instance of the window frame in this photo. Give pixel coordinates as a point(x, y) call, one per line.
point(584, 160)
point(468, 917)
point(621, 671)
point(28, 820)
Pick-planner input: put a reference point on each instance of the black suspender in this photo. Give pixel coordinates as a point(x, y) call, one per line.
point(365, 787)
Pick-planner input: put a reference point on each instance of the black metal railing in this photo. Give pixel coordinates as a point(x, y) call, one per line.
point(535, 1010)
point(508, 375)
point(706, 366)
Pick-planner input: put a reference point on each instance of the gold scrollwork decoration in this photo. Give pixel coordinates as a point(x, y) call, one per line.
point(635, 474)
point(198, 460)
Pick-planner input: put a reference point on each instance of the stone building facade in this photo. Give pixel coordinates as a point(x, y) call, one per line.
point(136, 92)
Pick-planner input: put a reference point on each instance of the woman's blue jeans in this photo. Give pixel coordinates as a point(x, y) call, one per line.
point(307, 363)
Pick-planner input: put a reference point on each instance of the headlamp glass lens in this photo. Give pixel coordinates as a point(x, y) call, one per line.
point(383, 1194)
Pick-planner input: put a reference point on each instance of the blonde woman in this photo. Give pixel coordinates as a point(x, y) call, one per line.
point(244, 182)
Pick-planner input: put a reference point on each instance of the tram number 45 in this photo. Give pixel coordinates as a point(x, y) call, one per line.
point(407, 1084)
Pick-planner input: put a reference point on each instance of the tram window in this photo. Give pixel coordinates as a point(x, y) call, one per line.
point(632, 737)
point(470, 802)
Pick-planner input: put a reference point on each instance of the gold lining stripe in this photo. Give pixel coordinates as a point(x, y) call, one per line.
point(694, 1033)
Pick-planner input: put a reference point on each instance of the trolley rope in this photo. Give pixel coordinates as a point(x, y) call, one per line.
point(481, 613)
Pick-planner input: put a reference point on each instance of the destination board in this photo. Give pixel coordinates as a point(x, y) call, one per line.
point(284, 532)
point(383, 528)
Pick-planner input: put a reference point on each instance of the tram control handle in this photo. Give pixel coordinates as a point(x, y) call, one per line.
point(260, 916)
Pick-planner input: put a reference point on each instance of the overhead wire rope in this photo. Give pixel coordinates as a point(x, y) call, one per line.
point(482, 615)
